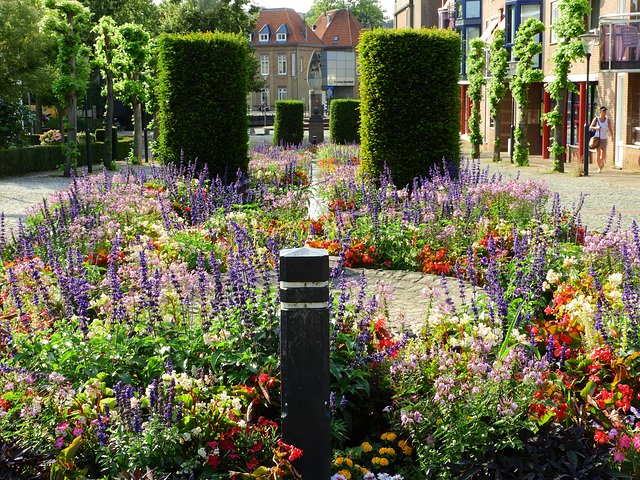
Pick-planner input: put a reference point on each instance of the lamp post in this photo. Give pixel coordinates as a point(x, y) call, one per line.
point(264, 101)
point(589, 40)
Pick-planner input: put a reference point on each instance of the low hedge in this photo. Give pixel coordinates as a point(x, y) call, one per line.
point(41, 158)
point(288, 128)
point(344, 121)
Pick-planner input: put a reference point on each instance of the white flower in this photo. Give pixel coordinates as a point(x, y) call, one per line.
point(202, 452)
point(615, 279)
point(552, 276)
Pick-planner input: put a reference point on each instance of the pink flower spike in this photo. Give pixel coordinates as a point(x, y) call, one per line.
point(618, 457)
point(59, 442)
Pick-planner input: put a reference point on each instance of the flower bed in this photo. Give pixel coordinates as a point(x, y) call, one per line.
point(139, 319)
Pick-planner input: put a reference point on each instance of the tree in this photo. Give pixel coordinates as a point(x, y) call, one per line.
point(183, 16)
point(140, 12)
point(133, 55)
point(567, 27)
point(525, 49)
point(497, 87)
point(68, 18)
point(12, 117)
point(105, 50)
point(475, 74)
point(368, 12)
point(23, 47)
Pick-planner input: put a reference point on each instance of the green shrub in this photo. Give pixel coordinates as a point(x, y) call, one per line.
point(100, 133)
point(18, 161)
point(410, 101)
point(344, 121)
point(202, 92)
point(288, 128)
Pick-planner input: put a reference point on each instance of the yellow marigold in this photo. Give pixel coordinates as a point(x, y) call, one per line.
point(349, 462)
point(363, 470)
point(407, 450)
point(375, 460)
point(391, 451)
point(402, 444)
point(345, 473)
point(338, 461)
point(391, 436)
point(383, 462)
point(366, 447)
point(383, 436)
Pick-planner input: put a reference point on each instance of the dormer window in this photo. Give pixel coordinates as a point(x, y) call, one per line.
point(335, 39)
point(328, 19)
point(264, 35)
point(282, 34)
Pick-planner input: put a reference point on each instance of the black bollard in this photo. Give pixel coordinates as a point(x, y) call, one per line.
point(89, 160)
point(304, 346)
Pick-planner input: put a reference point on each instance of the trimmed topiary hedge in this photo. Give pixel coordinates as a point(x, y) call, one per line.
point(288, 127)
point(410, 101)
point(202, 93)
point(344, 121)
point(41, 158)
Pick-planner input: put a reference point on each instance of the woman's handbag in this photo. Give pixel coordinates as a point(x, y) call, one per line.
point(594, 142)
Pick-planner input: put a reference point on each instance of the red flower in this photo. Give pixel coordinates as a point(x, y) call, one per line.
point(295, 453)
point(257, 447)
point(214, 461)
point(253, 464)
point(600, 436)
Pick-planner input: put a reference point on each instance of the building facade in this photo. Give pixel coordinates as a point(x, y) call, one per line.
point(285, 45)
point(614, 72)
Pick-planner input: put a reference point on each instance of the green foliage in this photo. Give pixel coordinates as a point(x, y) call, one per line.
point(497, 87)
point(368, 12)
point(344, 121)
point(23, 49)
point(525, 49)
point(410, 101)
point(475, 75)
point(12, 116)
point(202, 95)
point(567, 27)
point(288, 127)
point(233, 16)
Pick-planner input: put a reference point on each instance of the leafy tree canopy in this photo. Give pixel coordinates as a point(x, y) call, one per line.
point(23, 48)
point(183, 16)
point(368, 12)
point(141, 12)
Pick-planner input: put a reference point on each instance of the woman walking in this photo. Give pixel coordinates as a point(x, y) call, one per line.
point(602, 125)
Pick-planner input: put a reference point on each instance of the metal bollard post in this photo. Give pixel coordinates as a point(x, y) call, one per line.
point(304, 346)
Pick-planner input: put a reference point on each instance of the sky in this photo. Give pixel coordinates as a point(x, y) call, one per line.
point(304, 6)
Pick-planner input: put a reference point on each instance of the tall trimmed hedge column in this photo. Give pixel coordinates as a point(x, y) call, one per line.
point(202, 94)
point(288, 127)
point(344, 121)
point(410, 101)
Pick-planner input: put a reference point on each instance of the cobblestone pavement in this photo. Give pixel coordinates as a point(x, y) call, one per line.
point(603, 192)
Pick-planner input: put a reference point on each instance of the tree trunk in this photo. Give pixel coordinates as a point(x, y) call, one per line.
point(38, 126)
point(558, 130)
point(137, 128)
point(72, 115)
point(107, 157)
point(496, 140)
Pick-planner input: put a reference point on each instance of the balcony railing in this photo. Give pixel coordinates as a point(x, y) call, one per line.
point(620, 42)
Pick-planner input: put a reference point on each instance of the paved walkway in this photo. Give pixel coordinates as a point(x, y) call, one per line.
point(603, 191)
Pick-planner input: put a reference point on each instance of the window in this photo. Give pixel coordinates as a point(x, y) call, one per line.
point(282, 64)
point(282, 93)
point(594, 16)
point(554, 18)
point(472, 8)
point(293, 64)
point(263, 38)
point(335, 39)
point(264, 96)
point(341, 68)
point(281, 37)
point(264, 64)
point(517, 14)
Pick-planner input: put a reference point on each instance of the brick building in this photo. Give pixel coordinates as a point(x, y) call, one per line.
point(285, 44)
point(614, 71)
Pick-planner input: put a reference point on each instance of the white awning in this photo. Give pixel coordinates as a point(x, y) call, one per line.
point(498, 23)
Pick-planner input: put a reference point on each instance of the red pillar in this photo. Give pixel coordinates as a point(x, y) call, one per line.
point(582, 116)
point(546, 130)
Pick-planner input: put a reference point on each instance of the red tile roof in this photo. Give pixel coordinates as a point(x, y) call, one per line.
point(275, 18)
point(340, 23)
